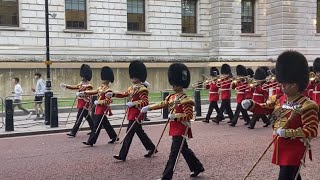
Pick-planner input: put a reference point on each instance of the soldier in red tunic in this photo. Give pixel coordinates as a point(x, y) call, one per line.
point(138, 94)
point(213, 94)
point(316, 91)
point(83, 102)
point(293, 128)
point(240, 86)
point(311, 85)
point(225, 89)
point(102, 108)
point(182, 112)
point(259, 96)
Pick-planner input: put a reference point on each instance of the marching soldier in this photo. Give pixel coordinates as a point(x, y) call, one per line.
point(292, 129)
point(259, 96)
point(213, 93)
point(83, 101)
point(102, 109)
point(225, 89)
point(181, 112)
point(138, 94)
point(311, 84)
point(240, 85)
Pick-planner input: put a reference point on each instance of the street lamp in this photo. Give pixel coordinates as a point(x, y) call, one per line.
point(48, 94)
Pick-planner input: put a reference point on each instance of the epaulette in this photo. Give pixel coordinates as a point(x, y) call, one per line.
point(142, 88)
point(187, 100)
point(309, 104)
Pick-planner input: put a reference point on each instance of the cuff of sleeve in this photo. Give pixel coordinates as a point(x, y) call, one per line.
point(294, 133)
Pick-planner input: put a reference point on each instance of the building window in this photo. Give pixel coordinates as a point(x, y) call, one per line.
point(136, 15)
point(189, 17)
point(76, 14)
point(9, 14)
point(247, 16)
point(318, 16)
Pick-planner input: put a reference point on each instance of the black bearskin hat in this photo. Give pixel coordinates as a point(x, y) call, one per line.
point(241, 70)
point(179, 75)
point(107, 74)
point(250, 72)
point(266, 69)
point(86, 72)
point(292, 67)
point(212, 70)
point(316, 65)
point(225, 69)
point(273, 71)
point(138, 70)
point(260, 74)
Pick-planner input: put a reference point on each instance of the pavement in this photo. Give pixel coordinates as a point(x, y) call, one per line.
point(24, 126)
point(227, 153)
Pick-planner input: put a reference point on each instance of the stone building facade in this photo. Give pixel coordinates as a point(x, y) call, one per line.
point(201, 32)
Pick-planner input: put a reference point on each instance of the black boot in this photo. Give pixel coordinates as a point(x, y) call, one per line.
point(150, 153)
point(247, 123)
point(71, 135)
point(216, 121)
point(118, 158)
point(206, 121)
point(196, 173)
point(113, 140)
point(88, 144)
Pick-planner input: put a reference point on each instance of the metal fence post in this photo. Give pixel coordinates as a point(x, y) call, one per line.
point(9, 126)
point(197, 100)
point(54, 122)
point(165, 111)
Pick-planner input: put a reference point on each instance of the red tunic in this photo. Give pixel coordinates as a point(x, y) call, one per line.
point(290, 151)
point(310, 89)
point(240, 88)
point(183, 112)
point(138, 94)
point(225, 88)
point(260, 95)
point(82, 101)
point(103, 106)
point(213, 92)
point(249, 93)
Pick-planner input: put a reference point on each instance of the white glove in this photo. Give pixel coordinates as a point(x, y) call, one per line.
point(109, 94)
point(63, 85)
point(146, 83)
point(281, 132)
point(145, 109)
point(79, 93)
point(130, 104)
point(186, 123)
point(171, 116)
point(246, 104)
point(96, 102)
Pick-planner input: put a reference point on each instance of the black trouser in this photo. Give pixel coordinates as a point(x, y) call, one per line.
point(137, 128)
point(225, 105)
point(255, 117)
point(237, 113)
point(289, 173)
point(82, 113)
point(192, 161)
point(213, 105)
point(96, 129)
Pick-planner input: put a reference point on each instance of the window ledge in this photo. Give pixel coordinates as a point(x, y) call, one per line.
point(250, 35)
point(78, 31)
point(138, 33)
point(191, 35)
point(317, 34)
point(9, 28)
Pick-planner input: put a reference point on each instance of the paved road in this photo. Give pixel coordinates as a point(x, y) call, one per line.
point(227, 154)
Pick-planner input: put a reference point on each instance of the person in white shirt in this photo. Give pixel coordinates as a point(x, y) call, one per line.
point(39, 93)
point(17, 96)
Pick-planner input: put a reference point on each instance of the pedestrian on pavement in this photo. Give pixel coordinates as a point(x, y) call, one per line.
point(83, 101)
point(102, 108)
point(181, 113)
point(295, 115)
point(39, 91)
point(138, 94)
point(17, 96)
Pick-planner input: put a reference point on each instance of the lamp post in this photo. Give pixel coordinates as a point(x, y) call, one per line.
point(48, 94)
